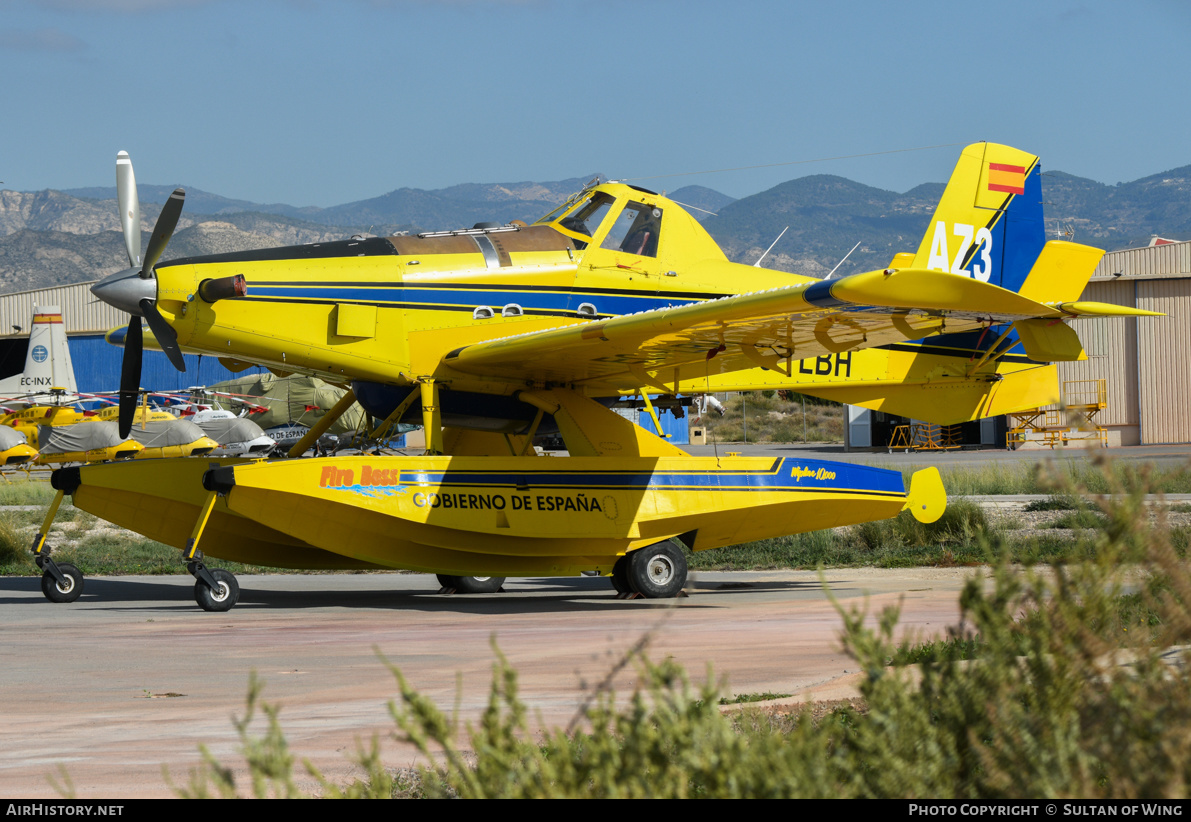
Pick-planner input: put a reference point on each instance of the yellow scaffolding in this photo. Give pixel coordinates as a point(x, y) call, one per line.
point(1075, 421)
point(925, 436)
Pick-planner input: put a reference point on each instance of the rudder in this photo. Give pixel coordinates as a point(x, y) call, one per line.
point(988, 224)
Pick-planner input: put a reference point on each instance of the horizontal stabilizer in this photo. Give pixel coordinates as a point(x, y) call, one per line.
point(1061, 272)
point(1084, 308)
point(1050, 341)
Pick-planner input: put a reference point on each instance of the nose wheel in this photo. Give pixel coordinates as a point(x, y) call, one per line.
point(60, 582)
point(214, 588)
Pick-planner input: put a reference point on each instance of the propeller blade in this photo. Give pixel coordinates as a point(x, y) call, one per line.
point(130, 208)
point(130, 375)
point(167, 338)
point(167, 221)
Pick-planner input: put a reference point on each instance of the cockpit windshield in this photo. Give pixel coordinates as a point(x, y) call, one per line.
point(583, 218)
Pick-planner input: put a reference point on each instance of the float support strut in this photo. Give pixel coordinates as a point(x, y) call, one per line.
point(320, 427)
point(431, 418)
point(191, 554)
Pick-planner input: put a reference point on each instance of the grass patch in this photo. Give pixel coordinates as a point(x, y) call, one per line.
point(894, 543)
point(26, 492)
point(776, 416)
point(105, 554)
point(943, 650)
point(12, 541)
point(1083, 518)
point(744, 699)
point(1074, 479)
point(1057, 502)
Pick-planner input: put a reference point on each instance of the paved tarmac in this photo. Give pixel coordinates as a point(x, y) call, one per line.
point(133, 676)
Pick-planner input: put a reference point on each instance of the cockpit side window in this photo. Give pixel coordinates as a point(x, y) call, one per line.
point(636, 230)
point(584, 218)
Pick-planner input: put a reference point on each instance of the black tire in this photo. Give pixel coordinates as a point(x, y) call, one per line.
point(620, 576)
point(67, 591)
point(657, 571)
point(227, 595)
point(471, 585)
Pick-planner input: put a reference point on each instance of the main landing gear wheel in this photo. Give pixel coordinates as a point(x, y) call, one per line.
point(68, 589)
point(223, 596)
point(471, 585)
point(657, 571)
point(620, 576)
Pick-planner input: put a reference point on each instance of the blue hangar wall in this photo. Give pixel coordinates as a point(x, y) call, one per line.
point(97, 367)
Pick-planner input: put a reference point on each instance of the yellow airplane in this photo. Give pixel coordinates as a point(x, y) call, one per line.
point(488, 336)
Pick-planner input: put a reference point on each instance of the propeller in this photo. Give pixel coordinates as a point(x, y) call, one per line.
point(135, 289)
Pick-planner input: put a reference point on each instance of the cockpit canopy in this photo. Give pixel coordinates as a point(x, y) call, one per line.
point(619, 223)
point(626, 220)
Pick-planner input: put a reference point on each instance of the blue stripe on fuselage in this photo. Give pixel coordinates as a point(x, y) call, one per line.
point(787, 473)
point(606, 304)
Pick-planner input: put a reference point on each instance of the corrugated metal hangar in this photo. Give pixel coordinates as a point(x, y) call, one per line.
point(1145, 362)
point(96, 362)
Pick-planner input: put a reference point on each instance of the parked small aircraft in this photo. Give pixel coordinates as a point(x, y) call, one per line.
point(48, 375)
point(489, 336)
point(43, 398)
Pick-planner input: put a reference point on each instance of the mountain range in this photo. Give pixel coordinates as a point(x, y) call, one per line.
point(55, 237)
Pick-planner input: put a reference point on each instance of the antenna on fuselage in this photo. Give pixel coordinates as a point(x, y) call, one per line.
point(757, 264)
point(841, 262)
point(705, 211)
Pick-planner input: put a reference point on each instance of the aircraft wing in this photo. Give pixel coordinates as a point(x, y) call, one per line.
point(768, 328)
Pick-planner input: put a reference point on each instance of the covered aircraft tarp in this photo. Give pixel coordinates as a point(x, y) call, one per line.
point(11, 438)
point(166, 433)
point(84, 436)
point(226, 430)
point(287, 400)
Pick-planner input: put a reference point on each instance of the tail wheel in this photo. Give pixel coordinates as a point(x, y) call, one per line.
point(471, 585)
point(657, 571)
point(68, 590)
point(223, 596)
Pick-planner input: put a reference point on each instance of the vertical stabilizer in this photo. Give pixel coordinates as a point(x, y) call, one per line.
point(988, 224)
point(47, 363)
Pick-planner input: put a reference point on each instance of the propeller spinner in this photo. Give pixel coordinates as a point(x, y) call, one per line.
point(135, 289)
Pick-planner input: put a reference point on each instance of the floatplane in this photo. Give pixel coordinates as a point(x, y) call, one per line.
point(491, 335)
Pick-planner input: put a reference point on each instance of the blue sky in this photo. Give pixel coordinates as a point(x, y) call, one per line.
point(319, 103)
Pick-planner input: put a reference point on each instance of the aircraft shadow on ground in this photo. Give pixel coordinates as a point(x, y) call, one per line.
point(549, 595)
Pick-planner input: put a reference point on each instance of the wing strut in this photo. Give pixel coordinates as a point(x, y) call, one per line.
point(394, 416)
point(320, 427)
point(992, 349)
